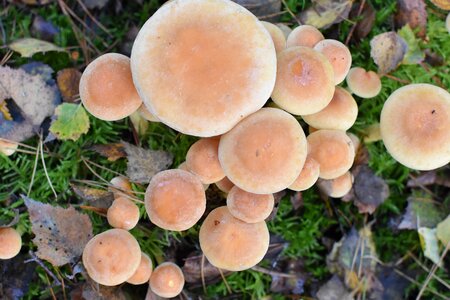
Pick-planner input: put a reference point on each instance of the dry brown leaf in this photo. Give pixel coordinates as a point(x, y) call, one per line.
point(112, 151)
point(266, 10)
point(324, 13)
point(68, 83)
point(387, 50)
point(192, 271)
point(369, 189)
point(95, 197)
point(366, 20)
point(412, 12)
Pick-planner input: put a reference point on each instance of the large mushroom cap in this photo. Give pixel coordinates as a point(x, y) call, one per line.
point(107, 89)
point(167, 280)
point(305, 82)
point(10, 243)
point(202, 160)
point(339, 114)
point(337, 187)
point(143, 272)
point(333, 150)
point(305, 36)
point(111, 257)
point(123, 213)
point(175, 200)
point(249, 207)
point(365, 84)
point(231, 244)
point(338, 55)
point(415, 126)
point(202, 66)
point(278, 38)
point(308, 176)
point(265, 152)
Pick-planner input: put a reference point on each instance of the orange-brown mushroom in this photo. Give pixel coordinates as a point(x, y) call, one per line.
point(249, 207)
point(123, 213)
point(167, 280)
point(338, 55)
point(10, 243)
point(202, 66)
point(278, 38)
point(337, 187)
point(111, 257)
point(183, 166)
point(107, 89)
point(265, 152)
point(308, 176)
point(202, 160)
point(305, 82)
point(225, 184)
point(175, 200)
point(121, 186)
point(362, 83)
point(143, 272)
point(305, 36)
point(231, 244)
point(8, 148)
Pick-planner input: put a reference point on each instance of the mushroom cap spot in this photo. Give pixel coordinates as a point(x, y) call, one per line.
point(146, 114)
point(305, 36)
point(143, 272)
point(111, 257)
point(333, 150)
point(338, 55)
point(123, 213)
point(167, 280)
point(202, 66)
point(231, 244)
point(10, 243)
point(202, 160)
point(339, 114)
point(107, 89)
point(265, 152)
point(249, 207)
point(175, 199)
point(308, 176)
point(8, 148)
point(225, 185)
point(278, 38)
point(337, 187)
point(415, 126)
point(305, 82)
point(362, 83)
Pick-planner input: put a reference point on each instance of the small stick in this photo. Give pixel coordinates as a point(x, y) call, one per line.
point(396, 79)
point(40, 263)
point(45, 168)
point(273, 273)
point(34, 172)
point(225, 281)
point(350, 34)
point(290, 12)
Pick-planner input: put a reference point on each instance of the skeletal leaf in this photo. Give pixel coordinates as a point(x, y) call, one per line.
point(71, 122)
point(27, 47)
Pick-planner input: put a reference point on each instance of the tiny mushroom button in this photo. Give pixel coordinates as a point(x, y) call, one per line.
point(362, 83)
point(167, 280)
point(10, 243)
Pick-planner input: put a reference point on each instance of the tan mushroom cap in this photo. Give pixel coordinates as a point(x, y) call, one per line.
point(339, 114)
point(10, 243)
point(202, 66)
point(183, 166)
point(308, 176)
point(337, 187)
point(415, 126)
point(123, 213)
point(278, 38)
point(231, 244)
point(175, 200)
point(107, 89)
point(305, 36)
point(285, 29)
point(146, 114)
point(143, 272)
point(111, 257)
point(8, 148)
point(167, 280)
point(333, 150)
point(362, 83)
point(225, 184)
point(121, 186)
point(338, 55)
point(265, 152)
point(355, 140)
point(305, 82)
point(202, 160)
point(249, 207)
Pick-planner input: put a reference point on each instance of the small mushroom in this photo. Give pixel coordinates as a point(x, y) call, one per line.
point(415, 126)
point(202, 160)
point(107, 89)
point(120, 186)
point(231, 244)
point(248, 207)
point(339, 114)
point(337, 187)
point(265, 152)
point(225, 185)
point(278, 38)
point(304, 35)
point(175, 200)
point(111, 257)
point(183, 166)
point(143, 272)
point(333, 150)
point(305, 82)
point(123, 213)
point(10, 243)
point(167, 280)
point(338, 55)
point(285, 29)
point(308, 176)
point(146, 114)
point(362, 83)
point(8, 148)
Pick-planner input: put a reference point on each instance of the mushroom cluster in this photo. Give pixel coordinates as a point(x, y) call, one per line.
point(207, 68)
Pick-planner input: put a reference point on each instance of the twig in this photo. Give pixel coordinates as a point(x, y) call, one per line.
point(45, 168)
point(50, 287)
point(103, 168)
point(86, 10)
point(40, 263)
point(396, 78)
point(417, 283)
point(291, 13)
point(350, 34)
point(428, 270)
point(6, 57)
point(273, 273)
point(34, 172)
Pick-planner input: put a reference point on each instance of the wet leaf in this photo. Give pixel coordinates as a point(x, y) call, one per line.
point(429, 243)
point(443, 231)
point(421, 212)
point(140, 124)
point(71, 122)
point(387, 50)
point(60, 233)
point(365, 21)
point(370, 190)
point(94, 197)
point(143, 164)
point(27, 47)
point(324, 13)
point(266, 10)
point(43, 29)
point(334, 289)
point(413, 55)
point(112, 151)
point(412, 13)
point(16, 276)
point(12, 221)
point(68, 83)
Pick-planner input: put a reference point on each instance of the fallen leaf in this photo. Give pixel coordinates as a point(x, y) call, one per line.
point(91, 4)
point(27, 47)
point(433, 59)
point(93, 291)
point(334, 289)
point(94, 197)
point(112, 151)
point(68, 83)
point(60, 233)
point(143, 164)
point(43, 29)
point(266, 10)
point(412, 13)
point(443, 231)
point(12, 222)
point(276, 247)
point(370, 190)
point(324, 13)
point(413, 55)
point(140, 124)
point(365, 21)
point(71, 122)
point(16, 277)
point(372, 133)
point(289, 278)
point(429, 244)
point(192, 270)
point(421, 212)
point(387, 50)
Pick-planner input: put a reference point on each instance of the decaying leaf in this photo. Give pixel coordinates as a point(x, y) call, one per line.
point(413, 55)
point(370, 190)
point(324, 13)
point(387, 50)
point(413, 13)
point(140, 124)
point(68, 83)
point(365, 21)
point(266, 10)
point(143, 164)
point(334, 289)
point(443, 231)
point(71, 122)
point(192, 271)
point(16, 276)
point(421, 212)
point(94, 197)
point(12, 221)
point(60, 233)
point(27, 47)
point(94, 291)
point(43, 29)
point(394, 285)
point(112, 151)
point(372, 133)
point(429, 244)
